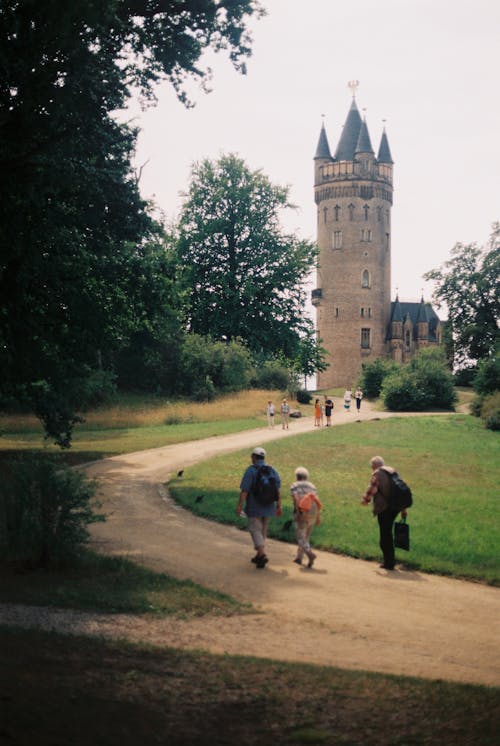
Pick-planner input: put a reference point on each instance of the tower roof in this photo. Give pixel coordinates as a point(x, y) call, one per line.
point(323, 149)
point(422, 312)
point(397, 313)
point(363, 144)
point(384, 152)
point(350, 133)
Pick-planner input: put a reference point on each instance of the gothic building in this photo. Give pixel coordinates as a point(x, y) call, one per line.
point(355, 317)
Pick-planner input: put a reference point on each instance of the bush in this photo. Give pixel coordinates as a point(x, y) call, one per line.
point(425, 382)
point(465, 376)
point(490, 411)
point(46, 508)
point(373, 375)
point(271, 374)
point(487, 379)
point(401, 393)
point(210, 367)
point(303, 397)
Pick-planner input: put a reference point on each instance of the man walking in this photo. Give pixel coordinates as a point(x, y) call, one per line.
point(379, 489)
point(261, 498)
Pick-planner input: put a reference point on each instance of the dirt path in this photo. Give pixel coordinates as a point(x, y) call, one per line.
point(344, 612)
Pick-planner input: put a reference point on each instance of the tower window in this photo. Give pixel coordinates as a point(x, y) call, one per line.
point(366, 234)
point(379, 214)
point(336, 210)
point(325, 213)
point(337, 239)
point(365, 279)
point(365, 339)
point(351, 211)
point(337, 314)
point(367, 210)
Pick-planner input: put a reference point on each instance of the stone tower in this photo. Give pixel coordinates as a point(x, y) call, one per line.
point(353, 194)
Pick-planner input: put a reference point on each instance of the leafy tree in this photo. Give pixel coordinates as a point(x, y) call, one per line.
point(424, 383)
point(73, 227)
point(487, 378)
point(245, 274)
point(468, 285)
point(373, 375)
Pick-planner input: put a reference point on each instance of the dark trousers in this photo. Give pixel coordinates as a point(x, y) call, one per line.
point(385, 521)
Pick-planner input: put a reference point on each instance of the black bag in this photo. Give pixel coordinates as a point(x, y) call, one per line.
point(265, 490)
point(399, 496)
point(402, 535)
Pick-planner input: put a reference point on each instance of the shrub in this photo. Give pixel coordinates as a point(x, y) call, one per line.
point(487, 379)
point(401, 393)
point(271, 374)
point(373, 375)
point(46, 507)
point(490, 411)
point(465, 376)
point(303, 396)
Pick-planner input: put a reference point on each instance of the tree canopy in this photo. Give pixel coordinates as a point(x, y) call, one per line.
point(245, 274)
point(468, 284)
point(75, 235)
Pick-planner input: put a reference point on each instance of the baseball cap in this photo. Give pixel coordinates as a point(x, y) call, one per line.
point(260, 452)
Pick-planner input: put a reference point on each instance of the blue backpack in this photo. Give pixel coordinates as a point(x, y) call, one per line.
point(265, 490)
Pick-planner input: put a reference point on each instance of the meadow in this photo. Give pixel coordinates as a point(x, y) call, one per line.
point(450, 461)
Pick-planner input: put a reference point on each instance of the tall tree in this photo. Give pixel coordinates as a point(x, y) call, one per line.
point(245, 273)
point(468, 285)
point(72, 222)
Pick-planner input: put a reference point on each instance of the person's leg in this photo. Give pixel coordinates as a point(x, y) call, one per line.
point(257, 526)
point(385, 521)
point(300, 534)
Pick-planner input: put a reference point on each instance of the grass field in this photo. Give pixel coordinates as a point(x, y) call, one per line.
point(451, 462)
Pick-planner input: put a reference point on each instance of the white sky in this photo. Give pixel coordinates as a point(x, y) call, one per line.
point(431, 68)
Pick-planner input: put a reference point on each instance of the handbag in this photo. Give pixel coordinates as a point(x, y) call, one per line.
point(402, 535)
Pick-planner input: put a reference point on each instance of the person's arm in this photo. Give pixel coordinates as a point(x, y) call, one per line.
point(241, 502)
point(278, 504)
point(371, 490)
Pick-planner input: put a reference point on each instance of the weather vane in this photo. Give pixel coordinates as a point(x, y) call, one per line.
point(353, 85)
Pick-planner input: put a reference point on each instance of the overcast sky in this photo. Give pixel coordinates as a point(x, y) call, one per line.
point(430, 68)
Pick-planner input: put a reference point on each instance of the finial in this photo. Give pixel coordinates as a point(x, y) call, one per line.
point(353, 85)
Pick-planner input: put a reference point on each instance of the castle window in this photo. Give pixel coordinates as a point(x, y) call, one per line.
point(365, 339)
point(369, 313)
point(387, 240)
point(367, 210)
point(366, 234)
point(325, 213)
point(362, 312)
point(365, 279)
point(351, 211)
point(337, 313)
point(337, 210)
point(337, 239)
point(407, 340)
point(379, 214)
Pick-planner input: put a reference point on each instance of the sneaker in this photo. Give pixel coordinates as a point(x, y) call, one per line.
point(312, 557)
point(261, 561)
point(297, 561)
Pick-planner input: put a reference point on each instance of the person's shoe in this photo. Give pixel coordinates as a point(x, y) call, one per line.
point(297, 561)
point(261, 561)
point(254, 559)
point(387, 567)
point(311, 557)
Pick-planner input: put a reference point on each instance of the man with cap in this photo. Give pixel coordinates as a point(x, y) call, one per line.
point(258, 514)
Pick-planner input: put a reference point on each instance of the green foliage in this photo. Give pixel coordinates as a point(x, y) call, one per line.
point(465, 376)
point(270, 374)
point(424, 383)
point(209, 367)
point(244, 273)
point(468, 285)
point(487, 378)
point(373, 374)
point(80, 269)
point(46, 508)
point(304, 397)
point(490, 410)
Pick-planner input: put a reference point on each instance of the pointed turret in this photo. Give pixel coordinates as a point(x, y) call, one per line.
point(323, 149)
point(349, 137)
point(384, 151)
point(422, 312)
point(397, 314)
point(364, 144)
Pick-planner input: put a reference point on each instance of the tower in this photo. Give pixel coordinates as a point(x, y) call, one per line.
point(353, 194)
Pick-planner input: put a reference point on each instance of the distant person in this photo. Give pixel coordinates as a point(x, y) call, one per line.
point(259, 507)
point(317, 413)
point(358, 395)
point(347, 399)
point(306, 514)
point(270, 414)
point(378, 489)
point(322, 416)
point(328, 411)
point(285, 414)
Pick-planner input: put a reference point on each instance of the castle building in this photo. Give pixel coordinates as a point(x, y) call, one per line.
point(355, 317)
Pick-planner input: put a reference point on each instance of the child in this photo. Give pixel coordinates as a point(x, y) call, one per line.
point(306, 513)
point(317, 413)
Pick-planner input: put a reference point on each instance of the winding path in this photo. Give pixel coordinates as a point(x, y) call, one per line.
point(345, 612)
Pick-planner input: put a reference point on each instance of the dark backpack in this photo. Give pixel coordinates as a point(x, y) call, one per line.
point(265, 490)
point(399, 496)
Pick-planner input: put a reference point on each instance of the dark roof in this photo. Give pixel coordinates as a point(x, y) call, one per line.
point(413, 313)
point(323, 149)
point(384, 151)
point(364, 144)
point(396, 312)
point(349, 137)
point(422, 313)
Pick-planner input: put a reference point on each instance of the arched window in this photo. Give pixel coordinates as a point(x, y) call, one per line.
point(365, 279)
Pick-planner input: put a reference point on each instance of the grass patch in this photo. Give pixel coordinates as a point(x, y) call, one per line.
point(114, 585)
point(451, 462)
point(57, 689)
